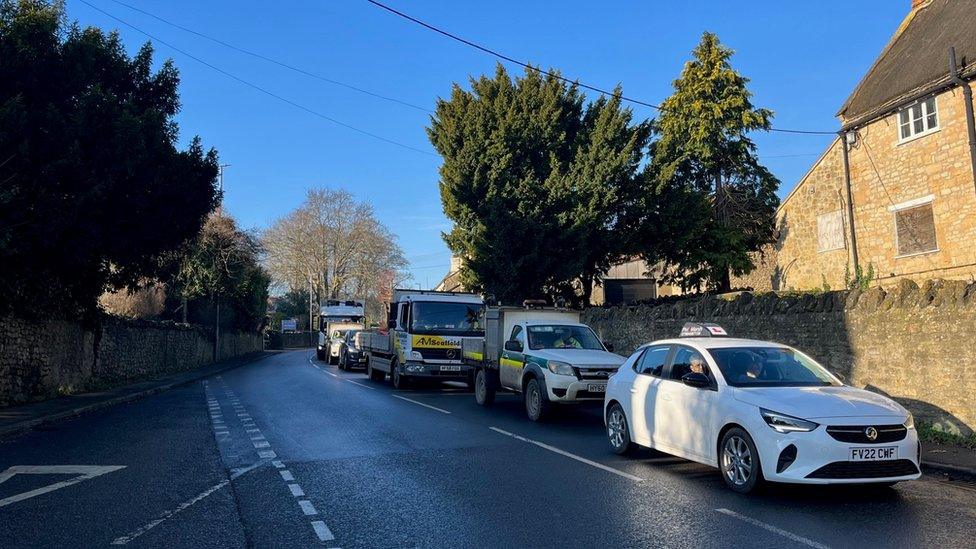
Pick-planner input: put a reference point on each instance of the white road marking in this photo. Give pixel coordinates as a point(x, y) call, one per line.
point(287, 476)
point(773, 529)
point(307, 507)
point(261, 444)
point(259, 437)
point(580, 459)
point(296, 490)
point(441, 410)
point(84, 472)
point(267, 454)
point(360, 384)
point(278, 464)
point(322, 531)
point(253, 431)
point(123, 540)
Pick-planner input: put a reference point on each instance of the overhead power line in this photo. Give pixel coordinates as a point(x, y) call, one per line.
point(512, 60)
point(255, 86)
point(263, 57)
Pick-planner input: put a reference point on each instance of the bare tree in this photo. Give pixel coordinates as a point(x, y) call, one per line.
point(334, 243)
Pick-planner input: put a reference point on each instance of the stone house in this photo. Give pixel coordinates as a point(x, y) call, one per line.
point(897, 189)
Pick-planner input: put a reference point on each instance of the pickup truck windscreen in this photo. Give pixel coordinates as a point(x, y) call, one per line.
point(445, 318)
point(563, 337)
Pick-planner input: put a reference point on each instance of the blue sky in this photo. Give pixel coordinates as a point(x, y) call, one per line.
point(803, 59)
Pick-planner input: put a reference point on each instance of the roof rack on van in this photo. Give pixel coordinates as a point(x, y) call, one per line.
point(702, 329)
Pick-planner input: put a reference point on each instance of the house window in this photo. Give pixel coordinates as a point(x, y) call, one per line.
point(915, 227)
point(830, 231)
point(918, 119)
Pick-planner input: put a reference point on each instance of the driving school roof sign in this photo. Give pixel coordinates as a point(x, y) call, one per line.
point(702, 329)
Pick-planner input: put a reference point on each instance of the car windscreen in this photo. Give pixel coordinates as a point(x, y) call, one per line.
point(563, 337)
point(769, 367)
point(446, 318)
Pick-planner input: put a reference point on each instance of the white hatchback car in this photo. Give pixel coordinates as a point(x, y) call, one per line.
point(757, 411)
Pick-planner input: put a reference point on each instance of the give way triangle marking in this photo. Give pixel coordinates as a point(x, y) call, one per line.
point(84, 472)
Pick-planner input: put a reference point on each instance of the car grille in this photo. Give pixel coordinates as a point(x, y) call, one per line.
point(856, 434)
point(440, 354)
point(866, 469)
point(601, 373)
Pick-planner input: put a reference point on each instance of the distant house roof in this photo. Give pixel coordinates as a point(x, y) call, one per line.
point(450, 283)
point(917, 57)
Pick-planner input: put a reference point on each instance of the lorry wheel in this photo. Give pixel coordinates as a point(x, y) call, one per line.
point(536, 404)
point(484, 393)
point(400, 381)
point(374, 374)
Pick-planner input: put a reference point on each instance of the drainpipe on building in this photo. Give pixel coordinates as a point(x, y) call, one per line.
point(850, 197)
point(967, 93)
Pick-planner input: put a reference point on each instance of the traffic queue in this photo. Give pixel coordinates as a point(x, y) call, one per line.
point(758, 411)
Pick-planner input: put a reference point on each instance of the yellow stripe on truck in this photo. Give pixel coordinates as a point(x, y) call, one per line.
point(474, 356)
point(512, 363)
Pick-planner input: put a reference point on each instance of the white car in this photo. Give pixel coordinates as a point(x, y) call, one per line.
point(758, 411)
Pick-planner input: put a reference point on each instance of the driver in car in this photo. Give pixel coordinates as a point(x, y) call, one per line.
point(567, 341)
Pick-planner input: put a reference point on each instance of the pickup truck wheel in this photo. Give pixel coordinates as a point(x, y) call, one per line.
point(400, 381)
point(484, 393)
point(374, 374)
point(618, 432)
point(536, 404)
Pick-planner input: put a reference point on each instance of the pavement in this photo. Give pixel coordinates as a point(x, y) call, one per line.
point(14, 419)
point(286, 451)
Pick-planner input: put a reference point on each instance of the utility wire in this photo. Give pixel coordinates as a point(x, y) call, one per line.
point(255, 86)
point(263, 57)
point(504, 57)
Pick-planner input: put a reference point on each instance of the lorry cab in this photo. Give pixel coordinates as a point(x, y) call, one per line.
point(425, 331)
point(543, 353)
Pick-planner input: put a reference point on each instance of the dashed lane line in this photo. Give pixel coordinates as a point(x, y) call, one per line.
point(322, 531)
point(769, 527)
point(307, 507)
point(418, 403)
point(570, 455)
point(361, 384)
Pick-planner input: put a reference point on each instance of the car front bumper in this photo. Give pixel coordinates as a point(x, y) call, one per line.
point(453, 371)
point(821, 459)
point(575, 390)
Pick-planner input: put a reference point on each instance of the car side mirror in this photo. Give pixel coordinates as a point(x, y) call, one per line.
point(514, 345)
point(695, 379)
point(608, 346)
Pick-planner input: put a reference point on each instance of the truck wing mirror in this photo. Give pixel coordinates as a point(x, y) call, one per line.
point(514, 345)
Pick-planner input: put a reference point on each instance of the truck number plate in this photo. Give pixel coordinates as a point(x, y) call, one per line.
point(597, 387)
point(874, 454)
point(450, 368)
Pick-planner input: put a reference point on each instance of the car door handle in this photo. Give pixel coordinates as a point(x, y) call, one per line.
point(633, 390)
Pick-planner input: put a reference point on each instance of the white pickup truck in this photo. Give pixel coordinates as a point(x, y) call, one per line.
point(543, 353)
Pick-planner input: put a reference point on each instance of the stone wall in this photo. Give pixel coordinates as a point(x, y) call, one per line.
point(42, 360)
point(909, 342)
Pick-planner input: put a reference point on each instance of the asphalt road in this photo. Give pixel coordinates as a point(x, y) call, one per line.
point(289, 452)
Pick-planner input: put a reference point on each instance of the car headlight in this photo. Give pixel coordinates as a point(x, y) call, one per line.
point(910, 422)
point(415, 355)
point(782, 423)
point(560, 368)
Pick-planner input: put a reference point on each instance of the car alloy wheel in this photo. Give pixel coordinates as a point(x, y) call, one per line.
point(616, 429)
point(737, 462)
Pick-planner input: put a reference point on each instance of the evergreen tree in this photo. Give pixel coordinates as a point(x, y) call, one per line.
point(716, 203)
point(534, 182)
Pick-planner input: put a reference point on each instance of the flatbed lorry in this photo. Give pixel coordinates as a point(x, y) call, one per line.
point(423, 337)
